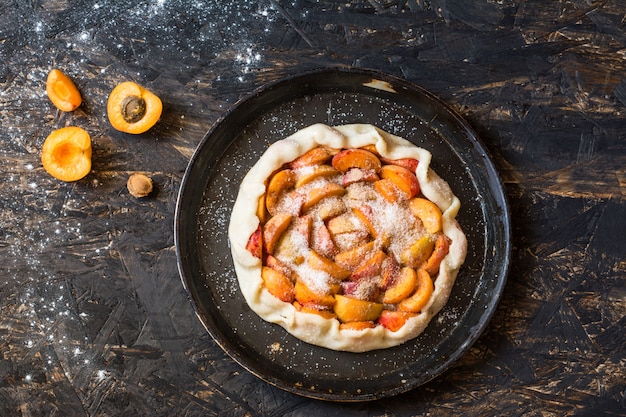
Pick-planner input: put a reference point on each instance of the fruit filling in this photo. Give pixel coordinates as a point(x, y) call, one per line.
point(347, 234)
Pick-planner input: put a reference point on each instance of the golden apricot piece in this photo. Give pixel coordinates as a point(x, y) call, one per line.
point(276, 264)
point(274, 229)
point(351, 259)
point(366, 215)
point(279, 285)
point(329, 208)
point(388, 190)
point(280, 183)
point(403, 286)
point(62, 91)
point(349, 241)
point(306, 296)
point(424, 290)
point(442, 247)
point(66, 153)
point(346, 223)
point(394, 320)
point(255, 243)
point(317, 194)
point(402, 178)
point(318, 262)
point(370, 268)
point(322, 242)
point(357, 325)
point(351, 309)
point(389, 270)
point(356, 158)
point(418, 252)
point(408, 163)
point(316, 156)
point(319, 171)
point(316, 309)
point(261, 211)
point(354, 175)
point(428, 213)
point(371, 148)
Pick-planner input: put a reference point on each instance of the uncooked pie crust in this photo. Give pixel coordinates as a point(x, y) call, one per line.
point(313, 328)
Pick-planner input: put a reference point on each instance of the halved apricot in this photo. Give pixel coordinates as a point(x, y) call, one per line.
point(66, 153)
point(132, 108)
point(62, 91)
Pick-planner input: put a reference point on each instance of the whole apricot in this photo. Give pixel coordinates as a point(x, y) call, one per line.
point(132, 108)
point(66, 153)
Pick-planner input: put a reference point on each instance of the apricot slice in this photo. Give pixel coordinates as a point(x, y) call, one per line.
point(279, 285)
point(389, 270)
point(62, 91)
point(366, 215)
point(351, 309)
point(402, 178)
point(345, 223)
point(319, 171)
point(320, 263)
point(354, 175)
point(320, 310)
point(317, 194)
point(307, 296)
point(403, 286)
point(352, 258)
point(261, 211)
point(357, 325)
point(66, 153)
point(371, 267)
point(356, 158)
point(423, 291)
point(132, 108)
point(274, 229)
point(418, 252)
point(442, 247)
point(408, 163)
point(316, 156)
point(255, 243)
point(276, 264)
point(281, 182)
point(428, 213)
point(387, 189)
point(322, 242)
point(394, 320)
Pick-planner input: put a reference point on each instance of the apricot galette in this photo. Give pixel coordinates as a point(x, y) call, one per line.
point(346, 238)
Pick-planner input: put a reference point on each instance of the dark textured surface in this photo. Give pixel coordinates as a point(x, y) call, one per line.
point(94, 319)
